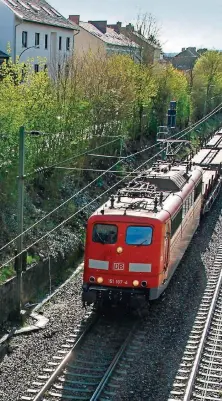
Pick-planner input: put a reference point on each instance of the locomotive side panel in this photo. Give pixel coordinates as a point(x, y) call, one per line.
point(184, 224)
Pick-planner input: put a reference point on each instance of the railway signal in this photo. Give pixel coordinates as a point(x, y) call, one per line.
point(164, 134)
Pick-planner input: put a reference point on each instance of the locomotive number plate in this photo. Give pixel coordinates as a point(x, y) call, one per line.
point(117, 282)
point(118, 266)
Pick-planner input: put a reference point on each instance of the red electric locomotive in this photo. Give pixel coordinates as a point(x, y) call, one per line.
point(136, 240)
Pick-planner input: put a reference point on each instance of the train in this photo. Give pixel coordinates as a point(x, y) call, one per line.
point(136, 240)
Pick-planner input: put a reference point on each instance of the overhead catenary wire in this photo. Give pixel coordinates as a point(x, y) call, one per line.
point(193, 126)
point(74, 214)
point(78, 211)
point(109, 170)
point(41, 169)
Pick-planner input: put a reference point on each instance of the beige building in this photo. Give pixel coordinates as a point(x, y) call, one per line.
point(98, 36)
point(150, 52)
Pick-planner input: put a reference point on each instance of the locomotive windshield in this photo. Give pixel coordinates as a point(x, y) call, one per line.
point(136, 235)
point(105, 233)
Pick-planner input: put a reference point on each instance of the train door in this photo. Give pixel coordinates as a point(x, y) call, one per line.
point(167, 247)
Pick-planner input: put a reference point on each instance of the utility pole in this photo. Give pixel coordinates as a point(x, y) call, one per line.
point(21, 178)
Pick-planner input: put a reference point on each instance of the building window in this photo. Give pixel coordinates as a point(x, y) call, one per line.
point(67, 43)
point(37, 39)
point(24, 39)
point(60, 43)
point(36, 68)
point(46, 41)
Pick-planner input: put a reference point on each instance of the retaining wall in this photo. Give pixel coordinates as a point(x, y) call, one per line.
point(36, 282)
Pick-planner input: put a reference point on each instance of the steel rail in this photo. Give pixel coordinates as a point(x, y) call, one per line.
point(67, 358)
point(112, 366)
point(187, 375)
point(59, 371)
point(199, 353)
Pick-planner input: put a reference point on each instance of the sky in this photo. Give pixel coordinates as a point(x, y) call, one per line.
point(196, 23)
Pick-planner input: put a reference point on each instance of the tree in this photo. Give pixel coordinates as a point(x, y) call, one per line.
point(207, 83)
point(148, 27)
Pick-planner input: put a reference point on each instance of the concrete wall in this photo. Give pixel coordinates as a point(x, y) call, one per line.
point(36, 283)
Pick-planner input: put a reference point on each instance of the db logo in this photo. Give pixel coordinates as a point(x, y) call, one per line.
point(118, 266)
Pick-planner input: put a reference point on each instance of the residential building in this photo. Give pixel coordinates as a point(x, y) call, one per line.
point(150, 52)
point(33, 29)
point(98, 36)
point(186, 59)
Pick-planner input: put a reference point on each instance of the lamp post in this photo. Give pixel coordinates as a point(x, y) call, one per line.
point(27, 48)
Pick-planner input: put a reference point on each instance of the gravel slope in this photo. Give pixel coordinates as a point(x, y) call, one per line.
point(168, 326)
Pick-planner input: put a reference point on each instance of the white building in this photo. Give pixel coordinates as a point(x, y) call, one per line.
point(34, 30)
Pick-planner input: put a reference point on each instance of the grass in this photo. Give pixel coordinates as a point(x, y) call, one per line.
point(6, 273)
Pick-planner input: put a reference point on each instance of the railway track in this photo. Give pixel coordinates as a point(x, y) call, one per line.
point(200, 374)
point(92, 364)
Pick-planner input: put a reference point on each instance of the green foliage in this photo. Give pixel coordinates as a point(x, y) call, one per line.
point(95, 98)
point(207, 84)
point(6, 273)
point(32, 259)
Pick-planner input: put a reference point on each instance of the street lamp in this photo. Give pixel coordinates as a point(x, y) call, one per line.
point(27, 48)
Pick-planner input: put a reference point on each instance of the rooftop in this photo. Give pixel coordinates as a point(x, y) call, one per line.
point(190, 51)
point(3, 55)
point(38, 11)
point(110, 36)
point(140, 36)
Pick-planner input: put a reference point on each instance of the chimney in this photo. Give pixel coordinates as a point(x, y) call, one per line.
point(130, 27)
point(183, 49)
point(75, 19)
point(192, 49)
point(116, 27)
point(100, 25)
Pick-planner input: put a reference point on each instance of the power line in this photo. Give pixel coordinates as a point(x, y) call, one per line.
point(109, 169)
point(41, 169)
point(74, 214)
point(194, 125)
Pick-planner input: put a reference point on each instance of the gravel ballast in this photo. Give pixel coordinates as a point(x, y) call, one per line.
point(167, 326)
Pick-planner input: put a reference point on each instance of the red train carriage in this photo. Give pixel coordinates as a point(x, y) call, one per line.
point(135, 242)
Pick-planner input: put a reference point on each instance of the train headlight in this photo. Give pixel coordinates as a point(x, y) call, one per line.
point(100, 280)
point(135, 283)
point(119, 249)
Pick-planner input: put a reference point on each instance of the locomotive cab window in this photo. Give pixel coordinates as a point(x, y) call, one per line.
point(136, 235)
point(105, 233)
